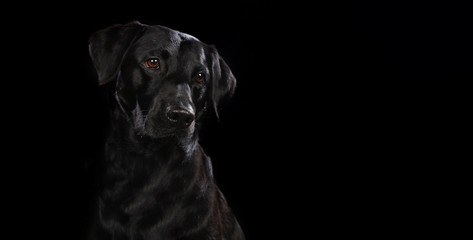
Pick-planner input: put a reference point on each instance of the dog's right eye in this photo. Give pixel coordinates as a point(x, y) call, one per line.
point(152, 63)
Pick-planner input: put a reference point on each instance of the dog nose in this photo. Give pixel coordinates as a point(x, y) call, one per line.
point(180, 118)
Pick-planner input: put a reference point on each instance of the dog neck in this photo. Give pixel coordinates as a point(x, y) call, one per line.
point(158, 177)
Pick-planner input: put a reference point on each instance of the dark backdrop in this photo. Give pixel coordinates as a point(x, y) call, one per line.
point(341, 124)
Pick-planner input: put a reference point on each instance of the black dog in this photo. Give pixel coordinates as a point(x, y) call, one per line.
point(158, 182)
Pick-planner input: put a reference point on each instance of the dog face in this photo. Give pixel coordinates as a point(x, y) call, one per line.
point(165, 79)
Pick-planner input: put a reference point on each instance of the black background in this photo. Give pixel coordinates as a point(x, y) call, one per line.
point(344, 122)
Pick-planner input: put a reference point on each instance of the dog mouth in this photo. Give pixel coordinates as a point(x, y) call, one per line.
point(161, 132)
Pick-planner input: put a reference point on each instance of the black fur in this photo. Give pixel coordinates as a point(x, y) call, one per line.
point(157, 181)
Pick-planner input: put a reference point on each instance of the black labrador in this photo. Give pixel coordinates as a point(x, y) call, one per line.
point(157, 180)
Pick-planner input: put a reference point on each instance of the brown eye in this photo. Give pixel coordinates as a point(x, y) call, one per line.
point(200, 77)
point(152, 63)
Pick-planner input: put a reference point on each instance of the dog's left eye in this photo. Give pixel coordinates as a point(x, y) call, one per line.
point(152, 63)
point(200, 77)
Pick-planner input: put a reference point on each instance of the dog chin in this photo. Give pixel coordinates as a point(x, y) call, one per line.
point(160, 133)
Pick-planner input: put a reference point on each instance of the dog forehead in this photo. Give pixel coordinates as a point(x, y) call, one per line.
point(160, 37)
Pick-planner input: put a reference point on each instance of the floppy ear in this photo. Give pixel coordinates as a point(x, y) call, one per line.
point(223, 82)
point(108, 47)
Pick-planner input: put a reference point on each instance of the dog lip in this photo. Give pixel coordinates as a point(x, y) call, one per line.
point(167, 129)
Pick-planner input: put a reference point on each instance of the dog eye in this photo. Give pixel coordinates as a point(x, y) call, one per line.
point(152, 63)
point(200, 77)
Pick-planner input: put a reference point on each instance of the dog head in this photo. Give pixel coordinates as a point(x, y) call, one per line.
point(165, 79)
